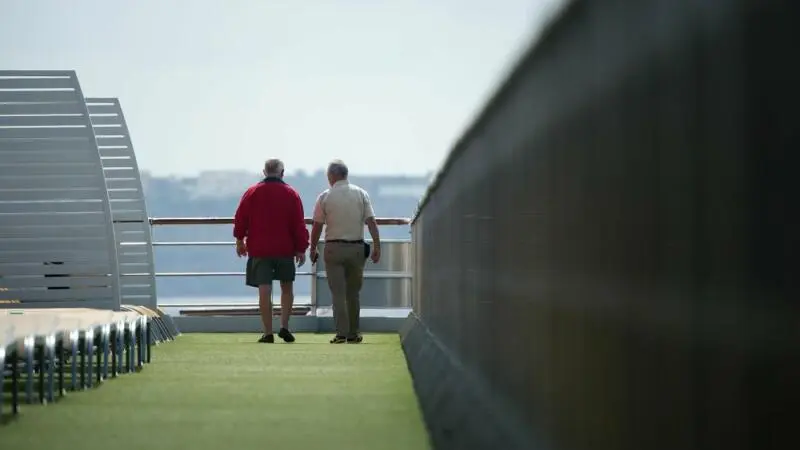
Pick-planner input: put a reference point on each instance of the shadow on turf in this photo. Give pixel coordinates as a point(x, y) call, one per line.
point(8, 418)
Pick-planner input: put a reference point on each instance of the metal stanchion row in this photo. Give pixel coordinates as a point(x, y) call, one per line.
point(45, 353)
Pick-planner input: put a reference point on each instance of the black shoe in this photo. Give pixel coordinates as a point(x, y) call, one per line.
point(267, 339)
point(355, 340)
point(338, 340)
point(286, 335)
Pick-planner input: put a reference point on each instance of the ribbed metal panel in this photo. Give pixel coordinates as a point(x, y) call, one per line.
point(128, 208)
point(57, 245)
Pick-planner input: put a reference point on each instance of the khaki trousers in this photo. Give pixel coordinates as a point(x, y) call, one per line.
point(344, 266)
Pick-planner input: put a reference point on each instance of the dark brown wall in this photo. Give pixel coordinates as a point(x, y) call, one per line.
point(612, 246)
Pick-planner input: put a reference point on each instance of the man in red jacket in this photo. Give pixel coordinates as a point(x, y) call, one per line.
point(270, 229)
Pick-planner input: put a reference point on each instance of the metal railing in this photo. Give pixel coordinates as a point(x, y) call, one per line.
point(315, 273)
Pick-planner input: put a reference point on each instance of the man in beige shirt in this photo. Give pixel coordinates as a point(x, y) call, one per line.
point(343, 210)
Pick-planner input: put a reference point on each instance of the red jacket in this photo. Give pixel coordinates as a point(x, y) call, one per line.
point(270, 216)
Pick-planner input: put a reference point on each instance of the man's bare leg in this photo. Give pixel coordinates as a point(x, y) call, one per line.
point(265, 308)
point(287, 302)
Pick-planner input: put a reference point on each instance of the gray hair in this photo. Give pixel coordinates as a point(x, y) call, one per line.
point(338, 169)
point(273, 167)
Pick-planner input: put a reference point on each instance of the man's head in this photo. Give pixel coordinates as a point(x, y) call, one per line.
point(273, 168)
point(337, 171)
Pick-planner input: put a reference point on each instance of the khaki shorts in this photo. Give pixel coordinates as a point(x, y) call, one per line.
point(261, 271)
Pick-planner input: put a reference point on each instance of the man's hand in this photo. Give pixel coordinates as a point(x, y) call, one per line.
point(372, 225)
point(313, 255)
point(241, 248)
point(300, 258)
point(376, 253)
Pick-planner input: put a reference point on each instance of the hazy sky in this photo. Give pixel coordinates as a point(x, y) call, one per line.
point(387, 86)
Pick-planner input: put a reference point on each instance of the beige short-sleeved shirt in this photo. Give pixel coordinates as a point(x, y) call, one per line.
point(343, 209)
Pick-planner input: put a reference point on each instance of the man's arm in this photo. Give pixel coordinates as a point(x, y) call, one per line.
point(241, 224)
point(241, 220)
point(316, 232)
point(372, 225)
point(300, 230)
point(319, 221)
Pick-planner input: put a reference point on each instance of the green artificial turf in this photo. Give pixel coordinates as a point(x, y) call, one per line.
point(227, 392)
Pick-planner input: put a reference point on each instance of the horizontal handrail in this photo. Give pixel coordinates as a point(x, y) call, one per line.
point(232, 243)
point(232, 305)
point(378, 274)
point(367, 274)
point(229, 221)
point(214, 274)
point(254, 304)
point(190, 243)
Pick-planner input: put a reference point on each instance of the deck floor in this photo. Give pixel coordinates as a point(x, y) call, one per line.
point(218, 391)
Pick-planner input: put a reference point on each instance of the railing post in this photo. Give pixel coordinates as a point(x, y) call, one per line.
point(313, 289)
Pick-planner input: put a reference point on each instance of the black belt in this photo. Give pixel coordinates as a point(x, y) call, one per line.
point(367, 248)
